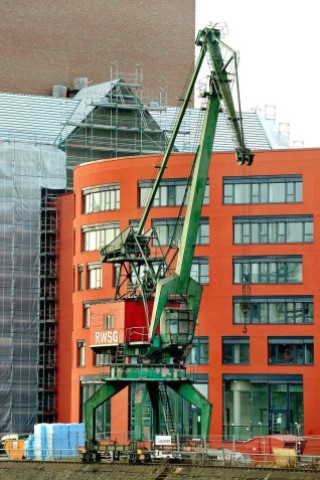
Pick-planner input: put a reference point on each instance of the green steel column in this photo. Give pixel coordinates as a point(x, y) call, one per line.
point(197, 189)
point(190, 393)
point(102, 395)
point(140, 397)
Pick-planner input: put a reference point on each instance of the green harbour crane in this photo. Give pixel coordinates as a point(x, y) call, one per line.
point(170, 298)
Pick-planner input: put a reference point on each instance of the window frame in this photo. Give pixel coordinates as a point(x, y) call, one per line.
point(102, 359)
point(199, 353)
point(235, 341)
point(201, 263)
point(94, 267)
point(286, 348)
point(81, 353)
point(92, 235)
point(111, 189)
point(167, 193)
point(272, 229)
point(249, 269)
point(108, 321)
point(259, 189)
point(86, 315)
point(167, 225)
point(261, 309)
point(80, 277)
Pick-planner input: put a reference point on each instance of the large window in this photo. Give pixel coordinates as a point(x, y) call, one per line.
point(276, 310)
point(262, 189)
point(289, 229)
point(235, 350)
point(256, 405)
point(165, 228)
point(170, 193)
point(290, 350)
point(101, 198)
point(199, 353)
point(96, 236)
point(200, 270)
point(271, 269)
point(94, 276)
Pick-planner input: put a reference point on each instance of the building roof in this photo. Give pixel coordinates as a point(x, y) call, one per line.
point(86, 99)
point(260, 133)
point(40, 119)
point(33, 118)
point(50, 120)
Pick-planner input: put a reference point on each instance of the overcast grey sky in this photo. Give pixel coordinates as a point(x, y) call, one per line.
point(278, 42)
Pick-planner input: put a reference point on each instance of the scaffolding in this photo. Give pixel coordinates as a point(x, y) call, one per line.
point(25, 169)
point(48, 306)
point(118, 124)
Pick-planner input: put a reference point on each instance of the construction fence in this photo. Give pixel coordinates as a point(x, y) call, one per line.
point(65, 442)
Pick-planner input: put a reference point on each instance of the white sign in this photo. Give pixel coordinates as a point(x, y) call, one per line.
point(163, 440)
point(107, 337)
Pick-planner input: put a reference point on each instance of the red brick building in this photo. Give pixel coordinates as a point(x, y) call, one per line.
point(258, 246)
point(52, 43)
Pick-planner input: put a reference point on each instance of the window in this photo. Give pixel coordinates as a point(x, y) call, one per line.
point(200, 270)
point(170, 193)
point(102, 359)
point(101, 198)
point(275, 310)
point(289, 229)
point(273, 269)
point(262, 189)
point(86, 315)
point(199, 353)
point(108, 322)
point(165, 228)
point(96, 236)
point(81, 344)
point(290, 350)
point(235, 350)
point(94, 276)
point(259, 405)
point(80, 277)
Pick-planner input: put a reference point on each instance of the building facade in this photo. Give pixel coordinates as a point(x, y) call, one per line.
point(255, 354)
point(51, 44)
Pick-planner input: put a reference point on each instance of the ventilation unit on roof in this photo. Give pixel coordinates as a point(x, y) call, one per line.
point(59, 91)
point(80, 83)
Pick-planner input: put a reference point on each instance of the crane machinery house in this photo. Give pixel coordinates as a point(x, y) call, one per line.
point(192, 291)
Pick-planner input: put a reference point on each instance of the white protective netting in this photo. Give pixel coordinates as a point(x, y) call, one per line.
point(24, 170)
